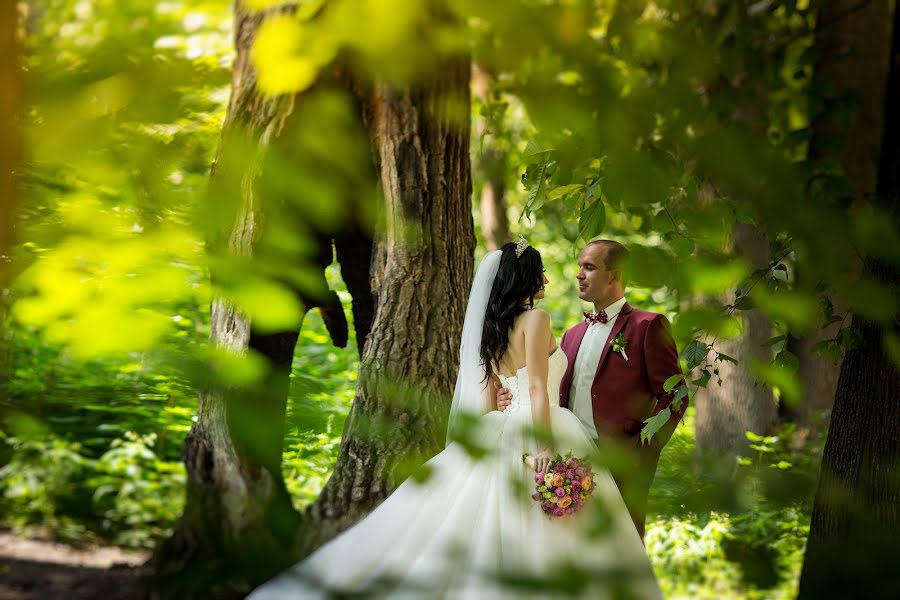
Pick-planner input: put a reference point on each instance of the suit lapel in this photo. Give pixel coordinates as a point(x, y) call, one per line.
point(623, 317)
point(571, 347)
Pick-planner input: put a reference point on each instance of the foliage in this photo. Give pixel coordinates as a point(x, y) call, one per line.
point(127, 496)
point(733, 530)
point(662, 124)
point(74, 464)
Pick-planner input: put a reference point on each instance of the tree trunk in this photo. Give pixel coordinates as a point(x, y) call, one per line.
point(725, 413)
point(423, 272)
point(852, 549)
point(11, 104)
point(11, 99)
point(494, 222)
point(239, 526)
point(817, 374)
point(852, 36)
point(491, 166)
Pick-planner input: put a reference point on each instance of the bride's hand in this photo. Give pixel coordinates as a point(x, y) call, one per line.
point(541, 462)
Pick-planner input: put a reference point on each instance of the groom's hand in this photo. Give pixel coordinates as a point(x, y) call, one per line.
point(504, 399)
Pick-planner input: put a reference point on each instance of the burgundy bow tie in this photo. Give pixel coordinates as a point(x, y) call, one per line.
point(597, 317)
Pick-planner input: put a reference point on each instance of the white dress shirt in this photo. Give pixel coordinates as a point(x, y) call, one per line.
point(586, 362)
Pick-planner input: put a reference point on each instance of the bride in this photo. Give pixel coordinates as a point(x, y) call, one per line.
point(472, 530)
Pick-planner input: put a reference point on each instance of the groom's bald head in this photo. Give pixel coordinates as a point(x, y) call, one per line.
point(615, 256)
point(601, 272)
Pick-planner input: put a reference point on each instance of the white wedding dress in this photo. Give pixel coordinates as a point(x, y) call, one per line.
point(472, 520)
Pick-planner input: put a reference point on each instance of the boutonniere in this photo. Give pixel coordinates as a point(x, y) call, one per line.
point(618, 345)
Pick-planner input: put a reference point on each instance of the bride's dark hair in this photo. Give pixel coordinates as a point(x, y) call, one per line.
point(518, 280)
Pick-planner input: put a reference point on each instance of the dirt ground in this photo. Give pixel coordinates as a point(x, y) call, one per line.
point(34, 569)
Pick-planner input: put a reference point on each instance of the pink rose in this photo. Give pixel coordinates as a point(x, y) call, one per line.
point(559, 468)
point(579, 472)
point(574, 463)
point(576, 485)
point(560, 492)
point(539, 477)
point(558, 512)
point(570, 474)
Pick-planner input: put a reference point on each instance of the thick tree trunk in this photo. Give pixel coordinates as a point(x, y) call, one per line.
point(852, 549)
point(423, 273)
point(726, 413)
point(239, 526)
point(11, 99)
point(852, 37)
point(491, 166)
point(11, 104)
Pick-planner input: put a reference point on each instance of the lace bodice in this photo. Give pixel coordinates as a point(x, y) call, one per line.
point(518, 384)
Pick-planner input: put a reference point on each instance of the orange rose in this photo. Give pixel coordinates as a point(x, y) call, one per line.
point(586, 483)
point(564, 502)
point(558, 480)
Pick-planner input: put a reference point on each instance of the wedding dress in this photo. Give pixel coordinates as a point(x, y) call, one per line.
point(472, 530)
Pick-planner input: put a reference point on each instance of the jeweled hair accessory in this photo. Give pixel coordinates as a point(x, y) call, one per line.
point(520, 246)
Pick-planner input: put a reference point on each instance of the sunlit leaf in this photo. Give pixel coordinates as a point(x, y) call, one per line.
point(288, 56)
point(654, 424)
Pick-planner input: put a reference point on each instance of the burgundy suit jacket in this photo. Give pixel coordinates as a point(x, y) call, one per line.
point(626, 393)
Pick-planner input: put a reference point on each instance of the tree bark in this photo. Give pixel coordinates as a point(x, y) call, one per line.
point(409, 368)
point(853, 37)
point(11, 106)
point(852, 548)
point(726, 413)
point(11, 100)
point(239, 526)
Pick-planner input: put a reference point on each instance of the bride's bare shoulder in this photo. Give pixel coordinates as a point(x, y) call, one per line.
point(535, 318)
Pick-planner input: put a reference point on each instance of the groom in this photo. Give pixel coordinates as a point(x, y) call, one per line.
point(619, 357)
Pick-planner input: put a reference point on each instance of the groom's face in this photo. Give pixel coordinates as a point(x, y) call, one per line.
point(595, 282)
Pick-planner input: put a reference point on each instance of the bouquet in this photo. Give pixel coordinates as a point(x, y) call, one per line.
point(563, 489)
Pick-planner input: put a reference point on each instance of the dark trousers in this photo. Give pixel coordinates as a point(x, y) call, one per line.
point(634, 485)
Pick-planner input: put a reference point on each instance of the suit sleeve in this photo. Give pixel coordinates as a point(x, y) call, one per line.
point(660, 363)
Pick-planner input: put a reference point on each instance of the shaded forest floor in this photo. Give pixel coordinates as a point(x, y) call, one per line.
point(32, 569)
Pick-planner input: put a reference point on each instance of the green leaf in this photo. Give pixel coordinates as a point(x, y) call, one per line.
point(744, 303)
point(799, 310)
point(703, 380)
point(788, 360)
point(724, 357)
point(827, 348)
point(534, 179)
point(672, 381)
point(533, 148)
point(695, 353)
point(780, 273)
point(565, 190)
point(773, 341)
point(654, 424)
point(707, 276)
point(678, 400)
point(592, 220)
point(892, 345)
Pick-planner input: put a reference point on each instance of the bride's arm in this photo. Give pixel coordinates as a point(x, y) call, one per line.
point(490, 392)
point(538, 339)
